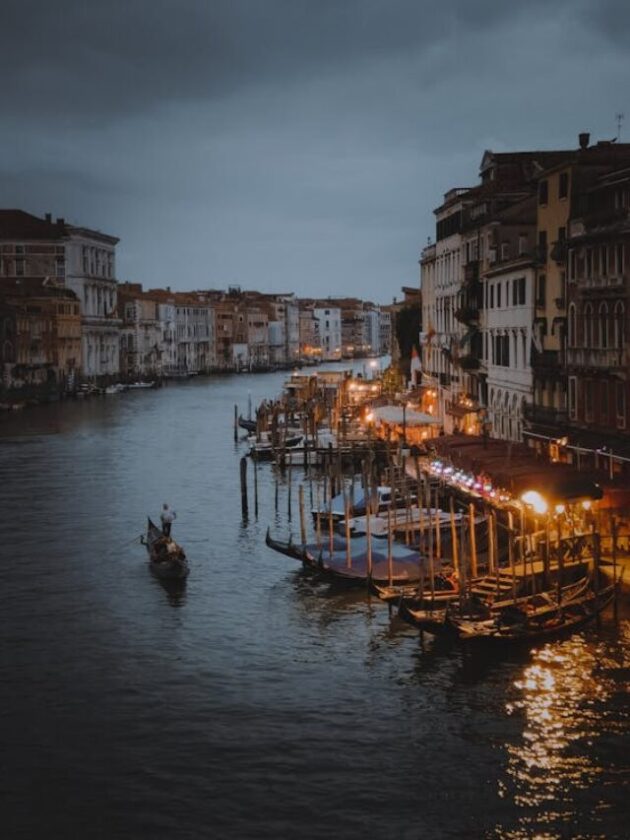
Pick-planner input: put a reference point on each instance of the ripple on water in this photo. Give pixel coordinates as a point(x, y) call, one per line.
point(256, 702)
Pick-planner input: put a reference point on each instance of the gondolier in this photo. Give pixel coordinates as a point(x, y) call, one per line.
point(167, 517)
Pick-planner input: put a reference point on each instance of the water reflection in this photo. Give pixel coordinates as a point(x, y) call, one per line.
point(565, 697)
point(175, 591)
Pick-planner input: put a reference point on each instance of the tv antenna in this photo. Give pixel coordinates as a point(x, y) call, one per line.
point(620, 118)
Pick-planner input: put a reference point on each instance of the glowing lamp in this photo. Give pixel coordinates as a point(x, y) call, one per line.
point(535, 500)
point(560, 508)
point(586, 504)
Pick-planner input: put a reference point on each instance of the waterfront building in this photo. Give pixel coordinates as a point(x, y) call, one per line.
point(598, 307)
point(564, 190)
point(441, 286)
point(353, 343)
point(83, 260)
point(142, 334)
point(372, 329)
point(310, 346)
point(385, 330)
point(195, 327)
point(328, 318)
point(40, 336)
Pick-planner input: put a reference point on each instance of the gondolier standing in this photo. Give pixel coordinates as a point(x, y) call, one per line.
point(167, 516)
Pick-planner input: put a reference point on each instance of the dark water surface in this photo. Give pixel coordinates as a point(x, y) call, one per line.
point(258, 704)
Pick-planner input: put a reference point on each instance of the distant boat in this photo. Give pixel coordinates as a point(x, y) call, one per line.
point(248, 425)
point(115, 389)
point(134, 385)
point(167, 559)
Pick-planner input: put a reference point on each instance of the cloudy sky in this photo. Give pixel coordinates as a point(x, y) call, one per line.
point(289, 144)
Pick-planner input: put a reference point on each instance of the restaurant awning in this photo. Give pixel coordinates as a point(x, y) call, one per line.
point(396, 415)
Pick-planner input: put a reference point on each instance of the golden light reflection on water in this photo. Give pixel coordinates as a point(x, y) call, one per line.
point(561, 696)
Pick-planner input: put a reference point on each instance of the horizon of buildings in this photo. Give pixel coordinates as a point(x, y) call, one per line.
point(65, 318)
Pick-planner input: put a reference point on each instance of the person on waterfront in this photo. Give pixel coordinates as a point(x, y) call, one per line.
point(167, 516)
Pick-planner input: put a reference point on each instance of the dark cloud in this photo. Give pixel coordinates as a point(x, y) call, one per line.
point(287, 143)
point(74, 57)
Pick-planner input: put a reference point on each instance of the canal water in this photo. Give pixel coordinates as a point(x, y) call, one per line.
point(258, 703)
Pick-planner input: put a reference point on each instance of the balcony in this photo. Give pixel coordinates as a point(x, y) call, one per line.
point(598, 283)
point(468, 362)
point(467, 315)
point(545, 415)
point(597, 358)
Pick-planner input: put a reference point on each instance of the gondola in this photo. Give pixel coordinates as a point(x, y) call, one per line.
point(445, 588)
point(439, 614)
point(248, 425)
point(265, 451)
point(167, 559)
point(516, 623)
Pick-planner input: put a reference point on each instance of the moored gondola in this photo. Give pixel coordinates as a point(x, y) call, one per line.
point(167, 559)
point(516, 624)
point(248, 425)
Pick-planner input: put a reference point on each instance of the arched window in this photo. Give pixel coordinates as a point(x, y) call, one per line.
point(620, 325)
point(603, 324)
point(572, 325)
point(588, 326)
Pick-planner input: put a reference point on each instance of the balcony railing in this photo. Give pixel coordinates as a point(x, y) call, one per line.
point(596, 281)
point(545, 415)
point(600, 358)
point(468, 362)
point(467, 315)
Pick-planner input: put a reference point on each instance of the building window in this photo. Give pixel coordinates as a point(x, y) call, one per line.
point(491, 295)
point(543, 192)
point(563, 185)
point(542, 245)
point(588, 400)
point(521, 291)
point(588, 325)
point(620, 325)
point(603, 260)
point(603, 402)
point(499, 295)
point(621, 405)
point(541, 291)
point(603, 325)
point(619, 259)
point(571, 320)
point(572, 398)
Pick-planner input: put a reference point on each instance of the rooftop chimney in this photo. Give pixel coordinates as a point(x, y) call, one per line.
point(48, 218)
point(61, 220)
point(584, 139)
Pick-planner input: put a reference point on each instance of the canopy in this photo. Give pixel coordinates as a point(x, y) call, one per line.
point(393, 415)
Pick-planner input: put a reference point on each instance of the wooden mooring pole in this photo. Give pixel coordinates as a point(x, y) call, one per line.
point(244, 486)
point(235, 423)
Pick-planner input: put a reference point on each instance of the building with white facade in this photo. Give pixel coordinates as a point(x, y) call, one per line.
point(372, 329)
point(507, 339)
point(194, 321)
point(84, 260)
point(329, 321)
point(441, 284)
